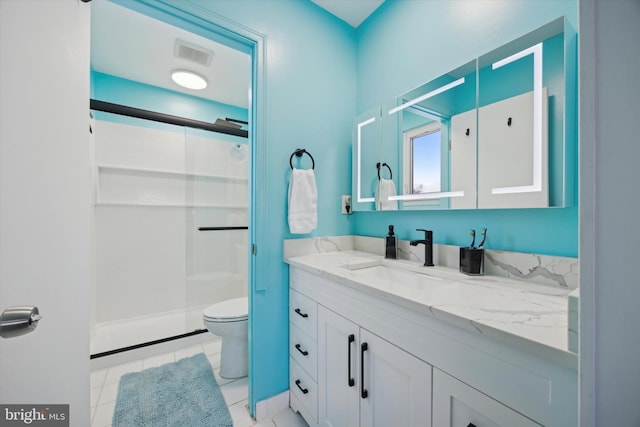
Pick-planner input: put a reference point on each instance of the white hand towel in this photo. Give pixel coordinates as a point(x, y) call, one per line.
point(384, 190)
point(303, 201)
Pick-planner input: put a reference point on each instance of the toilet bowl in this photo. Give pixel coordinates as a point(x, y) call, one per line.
point(229, 320)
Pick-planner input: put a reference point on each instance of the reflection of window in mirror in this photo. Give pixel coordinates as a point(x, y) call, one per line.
point(422, 161)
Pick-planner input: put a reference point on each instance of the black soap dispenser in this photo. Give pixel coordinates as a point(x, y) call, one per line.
point(391, 245)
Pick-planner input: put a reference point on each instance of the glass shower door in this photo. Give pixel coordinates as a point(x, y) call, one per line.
point(139, 232)
point(217, 194)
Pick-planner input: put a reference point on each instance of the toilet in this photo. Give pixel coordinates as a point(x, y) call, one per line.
point(229, 320)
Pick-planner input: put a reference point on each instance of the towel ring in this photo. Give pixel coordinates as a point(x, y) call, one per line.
point(379, 166)
point(299, 152)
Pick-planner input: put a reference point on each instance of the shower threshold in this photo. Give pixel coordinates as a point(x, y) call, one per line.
point(131, 333)
point(148, 343)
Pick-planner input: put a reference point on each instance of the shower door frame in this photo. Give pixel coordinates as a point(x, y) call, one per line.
point(148, 115)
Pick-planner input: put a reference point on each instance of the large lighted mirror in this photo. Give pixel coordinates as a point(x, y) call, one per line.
point(496, 132)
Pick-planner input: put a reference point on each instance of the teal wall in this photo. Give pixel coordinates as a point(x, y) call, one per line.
point(395, 55)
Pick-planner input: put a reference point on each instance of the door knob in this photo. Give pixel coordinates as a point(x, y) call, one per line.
point(16, 321)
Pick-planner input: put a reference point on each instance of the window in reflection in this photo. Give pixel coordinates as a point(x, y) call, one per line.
point(425, 161)
point(422, 166)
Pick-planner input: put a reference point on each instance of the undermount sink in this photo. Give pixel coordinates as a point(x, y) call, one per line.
point(400, 270)
point(401, 273)
point(397, 275)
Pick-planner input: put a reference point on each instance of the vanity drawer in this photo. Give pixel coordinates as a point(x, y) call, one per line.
point(304, 350)
point(303, 313)
point(304, 389)
point(458, 404)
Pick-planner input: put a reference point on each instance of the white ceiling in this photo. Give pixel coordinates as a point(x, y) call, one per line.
point(133, 46)
point(353, 12)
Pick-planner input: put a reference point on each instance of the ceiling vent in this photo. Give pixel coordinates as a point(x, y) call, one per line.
point(192, 53)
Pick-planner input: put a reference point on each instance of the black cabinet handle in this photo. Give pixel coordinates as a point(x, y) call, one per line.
point(303, 390)
point(351, 339)
point(304, 353)
point(305, 315)
point(363, 392)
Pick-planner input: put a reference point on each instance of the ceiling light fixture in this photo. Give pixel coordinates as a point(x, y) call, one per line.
point(189, 79)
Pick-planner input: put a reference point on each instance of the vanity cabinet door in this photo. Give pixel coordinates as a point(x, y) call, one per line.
point(366, 381)
point(338, 377)
point(457, 404)
point(397, 384)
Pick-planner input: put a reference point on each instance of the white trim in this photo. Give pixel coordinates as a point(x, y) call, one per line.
point(267, 408)
point(589, 218)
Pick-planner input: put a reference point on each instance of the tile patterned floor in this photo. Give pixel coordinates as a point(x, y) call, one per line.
point(104, 389)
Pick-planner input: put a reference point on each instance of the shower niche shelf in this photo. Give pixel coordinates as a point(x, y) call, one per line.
point(133, 186)
point(105, 167)
point(172, 205)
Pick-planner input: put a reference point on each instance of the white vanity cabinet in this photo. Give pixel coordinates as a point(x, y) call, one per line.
point(457, 404)
point(366, 381)
point(374, 361)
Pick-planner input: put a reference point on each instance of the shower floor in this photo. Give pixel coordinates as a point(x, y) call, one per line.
point(109, 336)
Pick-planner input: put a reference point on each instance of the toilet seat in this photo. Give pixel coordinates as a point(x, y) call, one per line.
point(233, 310)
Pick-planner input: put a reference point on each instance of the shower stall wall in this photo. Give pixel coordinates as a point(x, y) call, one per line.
point(171, 236)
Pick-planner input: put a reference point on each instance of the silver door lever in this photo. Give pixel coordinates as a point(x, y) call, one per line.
point(16, 321)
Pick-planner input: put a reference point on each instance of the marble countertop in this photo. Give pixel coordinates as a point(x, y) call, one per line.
point(531, 316)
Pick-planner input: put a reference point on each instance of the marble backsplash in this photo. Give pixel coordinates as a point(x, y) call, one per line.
point(557, 271)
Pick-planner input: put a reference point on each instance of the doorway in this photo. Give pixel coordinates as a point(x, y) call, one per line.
point(171, 198)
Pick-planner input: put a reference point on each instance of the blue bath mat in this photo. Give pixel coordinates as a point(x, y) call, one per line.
point(179, 394)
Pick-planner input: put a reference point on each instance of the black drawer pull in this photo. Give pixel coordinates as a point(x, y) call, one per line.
point(304, 353)
point(363, 392)
point(305, 315)
point(351, 339)
point(303, 390)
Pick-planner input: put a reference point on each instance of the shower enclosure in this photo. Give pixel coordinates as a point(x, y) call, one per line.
point(170, 229)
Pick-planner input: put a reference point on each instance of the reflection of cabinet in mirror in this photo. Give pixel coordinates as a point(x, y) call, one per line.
point(464, 158)
point(506, 125)
point(514, 164)
point(521, 111)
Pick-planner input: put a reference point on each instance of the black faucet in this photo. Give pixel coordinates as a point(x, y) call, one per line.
point(428, 246)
